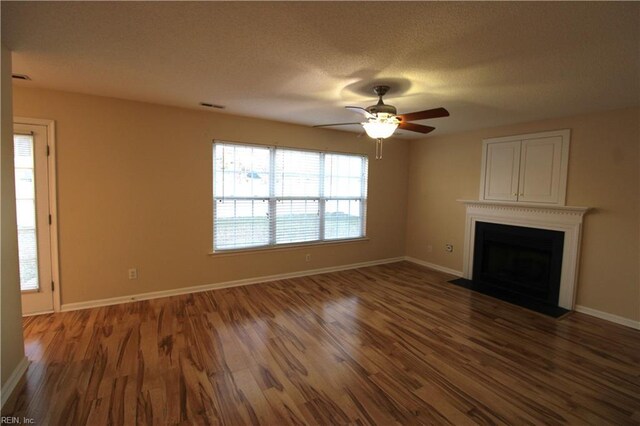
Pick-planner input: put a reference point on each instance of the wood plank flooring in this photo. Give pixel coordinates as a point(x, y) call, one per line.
point(391, 344)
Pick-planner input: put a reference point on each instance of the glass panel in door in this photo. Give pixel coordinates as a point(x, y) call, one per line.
point(32, 217)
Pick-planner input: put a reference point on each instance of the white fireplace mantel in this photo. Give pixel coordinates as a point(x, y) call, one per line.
point(567, 219)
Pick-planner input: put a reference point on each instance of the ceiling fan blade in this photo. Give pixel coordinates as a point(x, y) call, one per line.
point(360, 110)
point(416, 127)
point(422, 115)
point(336, 124)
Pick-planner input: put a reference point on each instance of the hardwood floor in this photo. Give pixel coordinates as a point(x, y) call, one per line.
point(391, 344)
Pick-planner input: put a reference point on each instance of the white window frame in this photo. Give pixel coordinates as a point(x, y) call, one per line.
point(321, 198)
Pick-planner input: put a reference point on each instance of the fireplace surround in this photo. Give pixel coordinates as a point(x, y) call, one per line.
point(565, 220)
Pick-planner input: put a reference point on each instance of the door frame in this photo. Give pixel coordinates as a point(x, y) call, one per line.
point(53, 201)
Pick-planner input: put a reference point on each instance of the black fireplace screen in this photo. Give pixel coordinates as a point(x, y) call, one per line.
point(526, 262)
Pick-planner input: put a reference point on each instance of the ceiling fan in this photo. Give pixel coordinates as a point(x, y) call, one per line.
point(382, 119)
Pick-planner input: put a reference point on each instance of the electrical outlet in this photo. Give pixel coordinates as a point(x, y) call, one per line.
point(307, 258)
point(429, 248)
point(133, 274)
point(448, 247)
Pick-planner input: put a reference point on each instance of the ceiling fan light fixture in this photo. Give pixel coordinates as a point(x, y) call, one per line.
point(382, 119)
point(379, 129)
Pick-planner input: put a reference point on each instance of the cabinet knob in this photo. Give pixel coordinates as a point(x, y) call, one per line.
point(522, 193)
point(515, 194)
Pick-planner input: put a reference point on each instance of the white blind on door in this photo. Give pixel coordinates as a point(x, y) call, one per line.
point(24, 162)
point(267, 196)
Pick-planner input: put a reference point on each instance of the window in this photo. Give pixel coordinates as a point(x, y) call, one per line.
point(24, 161)
point(268, 196)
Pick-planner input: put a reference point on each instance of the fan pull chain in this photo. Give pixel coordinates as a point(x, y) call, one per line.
point(379, 148)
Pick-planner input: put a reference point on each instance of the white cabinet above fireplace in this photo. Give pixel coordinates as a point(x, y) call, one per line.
point(529, 168)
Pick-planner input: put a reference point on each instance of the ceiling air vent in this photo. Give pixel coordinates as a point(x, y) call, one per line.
point(208, 105)
point(20, 76)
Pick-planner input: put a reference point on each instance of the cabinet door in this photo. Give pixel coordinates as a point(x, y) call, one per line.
point(540, 166)
point(501, 171)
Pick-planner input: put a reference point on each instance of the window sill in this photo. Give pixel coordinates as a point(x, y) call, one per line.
point(283, 247)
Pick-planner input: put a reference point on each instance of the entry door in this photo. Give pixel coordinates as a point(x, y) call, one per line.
point(32, 212)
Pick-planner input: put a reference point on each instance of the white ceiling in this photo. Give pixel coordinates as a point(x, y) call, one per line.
point(489, 64)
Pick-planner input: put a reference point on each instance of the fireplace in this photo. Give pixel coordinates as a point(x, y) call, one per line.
point(524, 263)
point(546, 238)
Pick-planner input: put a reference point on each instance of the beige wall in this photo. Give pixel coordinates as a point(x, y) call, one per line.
point(12, 351)
point(134, 186)
point(603, 174)
point(134, 190)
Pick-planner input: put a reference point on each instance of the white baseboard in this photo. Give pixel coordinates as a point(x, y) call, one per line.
point(195, 289)
point(31, 314)
point(13, 380)
point(608, 317)
point(433, 266)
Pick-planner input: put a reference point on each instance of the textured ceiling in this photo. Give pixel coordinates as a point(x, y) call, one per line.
point(489, 64)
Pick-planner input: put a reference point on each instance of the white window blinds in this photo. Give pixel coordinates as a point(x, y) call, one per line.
point(26, 211)
point(267, 196)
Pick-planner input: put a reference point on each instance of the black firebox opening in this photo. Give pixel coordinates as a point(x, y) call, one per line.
point(518, 264)
point(523, 261)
